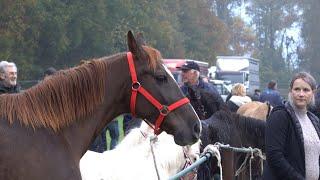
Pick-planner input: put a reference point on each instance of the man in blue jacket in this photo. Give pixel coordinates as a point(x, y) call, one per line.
point(272, 95)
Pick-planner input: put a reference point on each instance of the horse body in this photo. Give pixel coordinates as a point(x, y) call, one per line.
point(46, 129)
point(255, 109)
point(133, 159)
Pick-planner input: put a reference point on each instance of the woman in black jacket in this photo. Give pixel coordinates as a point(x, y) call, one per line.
point(292, 135)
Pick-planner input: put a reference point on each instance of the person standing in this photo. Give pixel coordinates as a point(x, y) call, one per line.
point(191, 79)
point(113, 129)
point(256, 95)
point(8, 78)
point(100, 142)
point(238, 97)
point(292, 135)
point(271, 94)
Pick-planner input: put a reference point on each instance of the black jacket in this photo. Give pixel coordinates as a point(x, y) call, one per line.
point(4, 89)
point(232, 106)
point(284, 145)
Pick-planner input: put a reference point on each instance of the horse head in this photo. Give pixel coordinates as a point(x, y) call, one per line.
point(154, 95)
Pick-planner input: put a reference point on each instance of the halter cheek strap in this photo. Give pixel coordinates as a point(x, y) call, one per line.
point(137, 87)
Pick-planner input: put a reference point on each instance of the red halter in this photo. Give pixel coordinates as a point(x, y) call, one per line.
point(137, 87)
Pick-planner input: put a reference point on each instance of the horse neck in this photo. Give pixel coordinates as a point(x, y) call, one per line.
point(80, 134)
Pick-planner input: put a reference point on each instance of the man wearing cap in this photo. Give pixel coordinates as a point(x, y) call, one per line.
point(191, 79)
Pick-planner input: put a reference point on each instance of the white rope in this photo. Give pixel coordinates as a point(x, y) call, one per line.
point(214, 150)
point(250, 163)
point(242, 166)
point(261, 156)
point(153, 139)
point(251, 153)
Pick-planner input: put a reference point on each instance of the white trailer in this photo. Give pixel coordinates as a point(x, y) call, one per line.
point(239, 69)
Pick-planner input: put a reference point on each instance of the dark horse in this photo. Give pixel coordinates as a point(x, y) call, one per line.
point(225, 130)
point(45, 130)
point(233, 129)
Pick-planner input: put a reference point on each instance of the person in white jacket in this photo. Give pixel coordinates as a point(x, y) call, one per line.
point(238, 97)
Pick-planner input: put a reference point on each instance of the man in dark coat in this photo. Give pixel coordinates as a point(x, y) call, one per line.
point(191, 78)
point(8, 78)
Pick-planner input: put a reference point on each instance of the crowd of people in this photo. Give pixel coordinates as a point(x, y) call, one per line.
point(292, 128)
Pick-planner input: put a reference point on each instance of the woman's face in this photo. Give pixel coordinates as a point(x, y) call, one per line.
point(301, 93)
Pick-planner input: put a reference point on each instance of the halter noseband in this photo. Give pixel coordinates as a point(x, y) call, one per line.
point(137, 87)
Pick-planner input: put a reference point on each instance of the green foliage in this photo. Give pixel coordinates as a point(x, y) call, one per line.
point(37, 34)
point(310, 32)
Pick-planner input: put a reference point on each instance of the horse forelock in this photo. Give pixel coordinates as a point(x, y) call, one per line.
point(154, 57)
point(60, 99)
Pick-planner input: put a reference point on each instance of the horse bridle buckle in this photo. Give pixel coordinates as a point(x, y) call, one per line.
point(135, 86)
point(164, 111)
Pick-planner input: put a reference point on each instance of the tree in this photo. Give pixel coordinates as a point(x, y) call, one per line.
point(310, 32)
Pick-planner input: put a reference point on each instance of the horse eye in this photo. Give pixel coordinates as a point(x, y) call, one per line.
point(161, 78)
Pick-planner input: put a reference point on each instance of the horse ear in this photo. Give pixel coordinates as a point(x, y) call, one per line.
point(132, 43)
point(135, 47)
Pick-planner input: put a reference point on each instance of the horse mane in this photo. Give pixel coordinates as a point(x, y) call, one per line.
point(246, 125)
point(221, 125)
point(66, 96)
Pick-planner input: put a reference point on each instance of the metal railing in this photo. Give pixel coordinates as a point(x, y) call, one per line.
point(209, 153)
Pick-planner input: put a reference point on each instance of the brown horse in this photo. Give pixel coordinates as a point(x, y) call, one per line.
point(45, 130)
point(255, 109)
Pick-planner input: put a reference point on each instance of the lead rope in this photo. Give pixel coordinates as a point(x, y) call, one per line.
point(251, 156)
point(250, 162)
point(152, 140)
point(242, 166)
point(215, 152)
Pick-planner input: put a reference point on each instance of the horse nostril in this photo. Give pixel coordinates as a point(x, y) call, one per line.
point(196, 128)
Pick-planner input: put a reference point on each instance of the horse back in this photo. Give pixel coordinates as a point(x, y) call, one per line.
point(254, 109)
